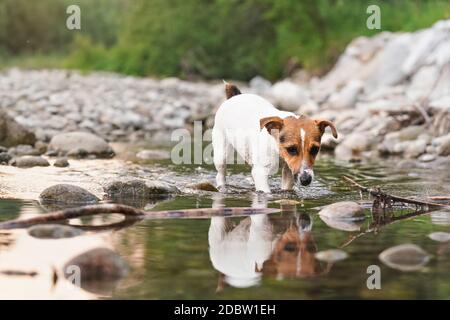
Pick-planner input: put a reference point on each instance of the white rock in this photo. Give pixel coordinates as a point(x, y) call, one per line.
point(288, 95)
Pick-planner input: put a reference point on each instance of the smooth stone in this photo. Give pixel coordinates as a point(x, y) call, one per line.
point(427, 157)
point(41, 147)
point(204, 186)
point(331, 255)
point(29, 161)
point(24, 150)
point(61, 162)
point(54, 231)
point(67, 194)
point(12, 133)
point(440, 236)
point(343, 210)
point(153, 154)
point(80, 144)
point(5, 158)
point(405, 257)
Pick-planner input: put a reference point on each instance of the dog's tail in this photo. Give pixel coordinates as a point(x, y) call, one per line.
point(231, 90)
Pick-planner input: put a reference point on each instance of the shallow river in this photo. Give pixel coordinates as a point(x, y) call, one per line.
point(258, 257)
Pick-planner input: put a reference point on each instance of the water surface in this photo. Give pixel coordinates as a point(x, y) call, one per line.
point(258, 257)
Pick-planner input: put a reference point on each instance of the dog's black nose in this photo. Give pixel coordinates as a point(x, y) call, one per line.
point(305, 179)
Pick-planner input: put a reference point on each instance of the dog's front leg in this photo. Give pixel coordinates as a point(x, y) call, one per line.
point(287, 178)
point(261, 178)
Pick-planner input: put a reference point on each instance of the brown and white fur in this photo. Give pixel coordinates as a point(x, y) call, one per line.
point(264, 136)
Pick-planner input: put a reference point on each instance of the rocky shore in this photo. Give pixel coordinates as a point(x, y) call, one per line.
point(388, 95)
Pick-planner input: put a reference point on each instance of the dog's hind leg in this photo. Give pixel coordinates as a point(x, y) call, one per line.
point(221, 150)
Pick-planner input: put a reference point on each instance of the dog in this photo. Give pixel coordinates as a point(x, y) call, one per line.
point(265, 136)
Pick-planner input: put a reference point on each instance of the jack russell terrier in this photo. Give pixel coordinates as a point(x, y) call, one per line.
point(263, 135)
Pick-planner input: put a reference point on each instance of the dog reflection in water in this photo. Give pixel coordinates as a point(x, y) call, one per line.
point(260, 245)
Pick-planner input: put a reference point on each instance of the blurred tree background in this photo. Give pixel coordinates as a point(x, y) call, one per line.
point(198, 38)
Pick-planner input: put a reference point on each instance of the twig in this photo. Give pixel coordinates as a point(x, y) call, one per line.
point(378, 193)
point(131, 213)
point(439, 198)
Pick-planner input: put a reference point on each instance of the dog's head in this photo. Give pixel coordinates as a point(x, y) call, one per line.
point(299, 141)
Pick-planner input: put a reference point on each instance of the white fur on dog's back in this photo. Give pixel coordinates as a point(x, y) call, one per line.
point(237, 121)
point(245, 111)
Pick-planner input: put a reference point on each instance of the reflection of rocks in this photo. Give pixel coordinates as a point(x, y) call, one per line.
point(66, 194)
point(405, 257)
point(29, 161)
point(80, 144)
point(100, 270)
point(53, 231)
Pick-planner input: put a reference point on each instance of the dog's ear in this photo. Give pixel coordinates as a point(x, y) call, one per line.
point(271, 123)
point(322, 124)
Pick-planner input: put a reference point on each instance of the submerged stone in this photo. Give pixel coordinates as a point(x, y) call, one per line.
point(331, 255)
point(343, 210)
point(342, 224)
point(405, 257)
point(440, 236)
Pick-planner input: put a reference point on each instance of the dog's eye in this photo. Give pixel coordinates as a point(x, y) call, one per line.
point(292, 150)
point(314, 150)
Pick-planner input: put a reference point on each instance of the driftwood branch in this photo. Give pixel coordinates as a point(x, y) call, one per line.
point(382, 217)
point(378, 193)
point(131, 213)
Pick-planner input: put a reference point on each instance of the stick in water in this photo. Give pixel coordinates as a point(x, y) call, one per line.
point(131, 213)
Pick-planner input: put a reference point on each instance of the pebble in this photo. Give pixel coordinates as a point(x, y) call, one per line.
point(405, 257)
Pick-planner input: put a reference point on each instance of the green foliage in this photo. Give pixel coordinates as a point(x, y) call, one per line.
point(207, 38)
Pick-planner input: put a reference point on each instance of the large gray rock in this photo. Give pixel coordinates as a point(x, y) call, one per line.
point(12, 133)
point(67, 194)
point(80, 144)
point(29, 161)
point(343, 210)
point(288, 95)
